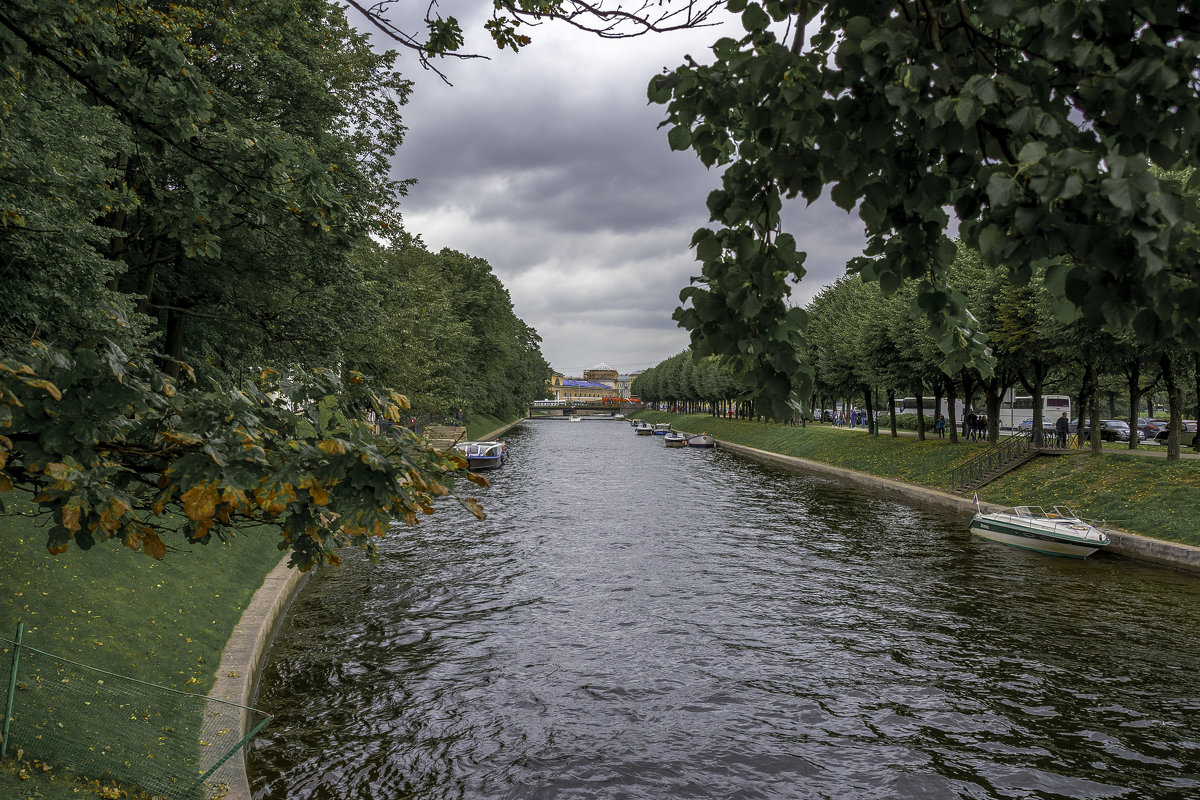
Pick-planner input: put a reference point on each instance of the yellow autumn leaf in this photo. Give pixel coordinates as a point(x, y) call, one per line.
point(57, 470)
point(19, 369)
point(200, 501)
point(50, 388)
point(133, 539)
point(473, 506)
point(69, 516)
point(333, 447)
point(182, 438)
point(201, 528)
point(110, 518)
point(236, 497)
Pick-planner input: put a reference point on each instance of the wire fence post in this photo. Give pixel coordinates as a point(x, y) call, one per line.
point(12, 690)
point(254, 732)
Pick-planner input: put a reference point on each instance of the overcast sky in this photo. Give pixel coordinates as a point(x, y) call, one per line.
point(549, 164)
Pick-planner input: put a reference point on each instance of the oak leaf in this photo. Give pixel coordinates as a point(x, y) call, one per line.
point(200, 501)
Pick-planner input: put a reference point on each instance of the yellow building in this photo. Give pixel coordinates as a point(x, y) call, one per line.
point(597, 383)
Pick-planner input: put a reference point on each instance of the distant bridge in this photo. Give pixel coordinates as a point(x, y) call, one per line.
point(583, 408)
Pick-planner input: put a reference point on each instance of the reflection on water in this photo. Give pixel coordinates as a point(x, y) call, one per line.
point(633, 621)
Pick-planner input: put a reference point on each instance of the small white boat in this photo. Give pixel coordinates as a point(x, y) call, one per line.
point(701, 440)
point(482, 455)
point(618, 416)
point(644, 429)
point(574, 418)
point(674, 439)
point(661, 428)
point(1058, 532)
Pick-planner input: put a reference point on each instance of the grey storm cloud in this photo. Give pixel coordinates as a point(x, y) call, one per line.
point(550, 165)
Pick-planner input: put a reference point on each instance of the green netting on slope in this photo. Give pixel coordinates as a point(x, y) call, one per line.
point(104, 725)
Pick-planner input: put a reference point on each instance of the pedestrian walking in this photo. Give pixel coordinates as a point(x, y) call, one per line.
point(940, 426)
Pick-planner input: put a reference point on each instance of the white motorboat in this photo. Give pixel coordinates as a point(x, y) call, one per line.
point(482, 455)
point(644, 429)
point(674, 439)
point(701, 440)
point(574, 418)
point(661, 428)
point(1057, 532)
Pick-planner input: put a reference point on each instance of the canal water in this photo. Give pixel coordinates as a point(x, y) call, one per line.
point(633, 621)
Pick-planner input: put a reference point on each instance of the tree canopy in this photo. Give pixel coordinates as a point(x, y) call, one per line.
point(1033, 126)
point(200, 331)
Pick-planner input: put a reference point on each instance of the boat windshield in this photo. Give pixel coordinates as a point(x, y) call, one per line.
point(1029, 511)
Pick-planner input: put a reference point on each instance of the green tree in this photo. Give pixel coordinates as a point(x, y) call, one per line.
point(1035, 121)
point(189, 184)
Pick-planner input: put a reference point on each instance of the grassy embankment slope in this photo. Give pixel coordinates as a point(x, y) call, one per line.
point(480, 426)
point(162, 622)
point(1136, 493)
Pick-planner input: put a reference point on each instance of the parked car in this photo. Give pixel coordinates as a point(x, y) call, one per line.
point(1111, 430)
point(1027, 425)
point(1185, 438)
point(1150, 427)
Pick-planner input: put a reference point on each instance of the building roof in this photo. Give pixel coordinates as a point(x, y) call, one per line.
point(602, 366)
point(578, 384)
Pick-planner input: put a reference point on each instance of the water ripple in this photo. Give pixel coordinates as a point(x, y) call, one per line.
point(637, 622)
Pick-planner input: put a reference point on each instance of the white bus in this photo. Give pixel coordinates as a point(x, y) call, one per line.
point(1019, 409)
point(908, 405)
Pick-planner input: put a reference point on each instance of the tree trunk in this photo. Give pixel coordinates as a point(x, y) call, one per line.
point(173, 343)
point(1038, 372)
point(1134, 374)
point(1094, 413)
point(1196, 438)
point(870, 406)
point(968, 399)
point(1085, 390)
point(993, 414)
point(994, 391)
point(1175, 403)
point(951, 401)
point(891, 395)
point(920, 414)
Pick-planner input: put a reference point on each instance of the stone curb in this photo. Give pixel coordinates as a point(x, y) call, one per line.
point(1130, 545)
point(491, 437)
point(237, 677)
